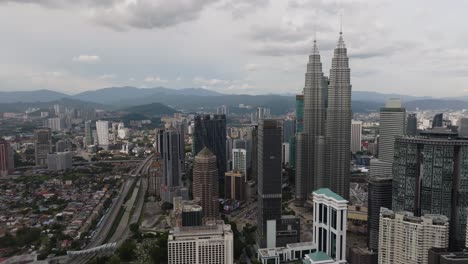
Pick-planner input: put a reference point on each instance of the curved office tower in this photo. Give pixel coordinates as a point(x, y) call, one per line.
point(310, 150)
point(338, 138)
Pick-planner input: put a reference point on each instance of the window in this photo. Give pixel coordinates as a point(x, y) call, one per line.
point(334, 218)
point(320, 213)
point(325, 214)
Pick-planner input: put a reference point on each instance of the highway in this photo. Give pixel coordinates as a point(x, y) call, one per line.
point(102, 231)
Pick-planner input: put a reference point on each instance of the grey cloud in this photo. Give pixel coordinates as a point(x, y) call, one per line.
point(286, 49)
point(64, 3)
point(122, 14)
point(150, 14)
point(241, 8)
point(285, 34)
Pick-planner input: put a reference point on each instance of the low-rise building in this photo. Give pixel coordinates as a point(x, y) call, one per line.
point(208, 244)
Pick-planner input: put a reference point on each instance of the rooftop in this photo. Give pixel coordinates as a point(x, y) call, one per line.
point(329, 193)
point(318, 256)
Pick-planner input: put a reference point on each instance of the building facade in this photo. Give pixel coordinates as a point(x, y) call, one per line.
point(59, 161)
point(89, 133)
point(239, 160)
point(102, 130)
point(379, 195)
point(356, 135)
point(6, 158)
point(210, 132)
point(338, 124)
point(205, 183)
point(209, 244)
point(269, 178)
point(406, 239)
point(234, 185)
point(330, 219)
point(392, 125)
point(430, 176)
point(310, 144)
point(42, 144)
point(412, 124)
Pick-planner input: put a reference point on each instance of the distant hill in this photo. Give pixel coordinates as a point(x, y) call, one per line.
point(31, 96)
point(150, 110)
point(381, 97)
point(430, 104)
point(121, 95)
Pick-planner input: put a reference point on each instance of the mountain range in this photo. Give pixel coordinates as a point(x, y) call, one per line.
point(196, 99)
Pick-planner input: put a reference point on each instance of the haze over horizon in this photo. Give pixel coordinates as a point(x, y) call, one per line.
point(231, 46)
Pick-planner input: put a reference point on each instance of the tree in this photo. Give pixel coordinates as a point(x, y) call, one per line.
point(126, 251)
point(135, 228)
point(113, 260)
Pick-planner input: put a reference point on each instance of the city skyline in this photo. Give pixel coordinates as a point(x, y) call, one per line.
point(264, 41)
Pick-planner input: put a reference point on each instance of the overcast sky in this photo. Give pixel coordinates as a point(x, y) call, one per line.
point(417, 47)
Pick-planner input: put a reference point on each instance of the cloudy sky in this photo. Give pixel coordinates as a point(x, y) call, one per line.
point(417, 47)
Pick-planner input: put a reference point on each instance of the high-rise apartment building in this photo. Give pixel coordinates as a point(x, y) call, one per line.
point(102, 129)
point(205, 183)
point(404, 238)
point(310, 144)
point(42, 144)
point(269, 178)
point(6, 158)
point(210, 132)
point(392, 125)
point(430, 176)
point(55, 124)
point(356, 135)
point(208, 244)
point(330, 220)
point(338, 124)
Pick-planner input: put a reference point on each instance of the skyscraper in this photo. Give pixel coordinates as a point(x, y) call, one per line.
point(210, 132)
point(239, 160)
point(310, 144)
point(392, 125)
point(338, 124)
point(173, 166)
point(269, 177)
point(88, 133)
point(412, 125)
point(430, 175)
point(102, 129)
point(438, 120)
point(205, 183)
point(356, 135)
point(43, 145)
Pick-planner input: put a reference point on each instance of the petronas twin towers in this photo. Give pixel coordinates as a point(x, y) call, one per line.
point(323, 148)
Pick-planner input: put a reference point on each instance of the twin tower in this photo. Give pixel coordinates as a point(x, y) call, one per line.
point(323, 147)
